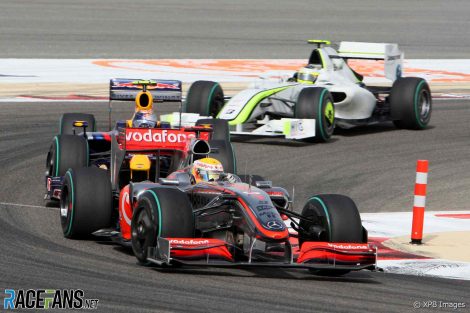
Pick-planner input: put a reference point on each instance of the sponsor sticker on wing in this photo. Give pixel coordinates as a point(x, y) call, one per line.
point(148, 139)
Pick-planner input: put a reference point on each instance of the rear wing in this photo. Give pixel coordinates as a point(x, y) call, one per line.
point(389, 52)
point(125, 89)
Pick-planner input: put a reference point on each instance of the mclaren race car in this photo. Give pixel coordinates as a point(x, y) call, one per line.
point(326, 93)
point(218, 221)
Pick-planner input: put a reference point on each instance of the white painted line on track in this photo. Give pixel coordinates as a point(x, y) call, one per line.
point(27, 206)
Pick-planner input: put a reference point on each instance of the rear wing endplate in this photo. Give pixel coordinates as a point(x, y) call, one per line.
point(389, 52)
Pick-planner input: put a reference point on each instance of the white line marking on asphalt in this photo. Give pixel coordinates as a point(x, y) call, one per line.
point(27, 205)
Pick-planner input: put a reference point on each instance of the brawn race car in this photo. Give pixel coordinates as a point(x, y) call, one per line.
point(323, 94)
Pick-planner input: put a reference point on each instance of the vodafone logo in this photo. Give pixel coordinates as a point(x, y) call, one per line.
point(348, 246)
point(163, 136)
point(189, 242)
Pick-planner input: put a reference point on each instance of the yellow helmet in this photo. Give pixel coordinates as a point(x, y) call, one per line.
point(207, 169)
point(308, 74)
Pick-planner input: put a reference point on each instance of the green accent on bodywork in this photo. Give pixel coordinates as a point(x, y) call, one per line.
point(286, 128)
point(69, 228)
point(320, 113)
point(417, 114)
point(166, 118)
point(322, 57)
point(159, 233)
point(325, 209)
point(330, 112)
point(144, 82)
point(245, 113)
point(319, 41)
point(211, 93)
point(57, 152)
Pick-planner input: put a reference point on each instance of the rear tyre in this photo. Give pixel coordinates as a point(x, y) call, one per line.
point(160, 212)
point(411, 103)
point(335, 218)
point(66, 123)
point(66, 151)
point(86, 202)
point(205, 98)
point(317, 103)
point(220, 129)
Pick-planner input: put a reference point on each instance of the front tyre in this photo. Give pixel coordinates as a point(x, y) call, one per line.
point(160, 212)
point(333, 218)
point(411, 103)
point(86, 202)
point(317, 103)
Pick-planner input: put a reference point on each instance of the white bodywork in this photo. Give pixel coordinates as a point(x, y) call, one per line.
point(352, 101)
point(289, 128)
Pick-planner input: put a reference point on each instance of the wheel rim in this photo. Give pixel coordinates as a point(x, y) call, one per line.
point(329, 114)
point(424, 106)
point(65, 207)
point(142, 233)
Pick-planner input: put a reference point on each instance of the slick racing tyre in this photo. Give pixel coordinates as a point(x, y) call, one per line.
point(86, 202)
point(411, 103)
point(220, 128)
point(160, 212)
point(66, 151)
point(334, 218)
point(66, 123)
point(317, 103)
point(205, 98)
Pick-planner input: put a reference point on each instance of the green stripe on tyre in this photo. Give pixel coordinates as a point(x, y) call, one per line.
point(417, 114)
point(325, 209)
point(159, 212)
point(320, 113)
point(210, 97)
point(69, 228)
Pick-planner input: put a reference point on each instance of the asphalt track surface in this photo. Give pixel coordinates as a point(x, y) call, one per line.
point(226, 29)
point(375, 166)
point(372, 165)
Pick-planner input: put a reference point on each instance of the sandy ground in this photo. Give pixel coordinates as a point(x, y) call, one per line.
point(454, 246)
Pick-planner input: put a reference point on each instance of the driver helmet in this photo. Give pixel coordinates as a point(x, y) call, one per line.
point(308, 74)
point(144, 119)
point(206, 169)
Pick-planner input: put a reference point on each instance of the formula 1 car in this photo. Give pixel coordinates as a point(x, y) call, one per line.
point(221, 223)
point(324, 94)
point(155, 149)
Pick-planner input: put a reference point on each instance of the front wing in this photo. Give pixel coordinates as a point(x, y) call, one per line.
point(205, 252)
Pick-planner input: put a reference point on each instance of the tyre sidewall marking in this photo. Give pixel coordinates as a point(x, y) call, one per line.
point(209, 102)
point(320, 113)
point(71, 192)
point(417, 113)
point(325, 209)
point(57, 154)
point(159, 232)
